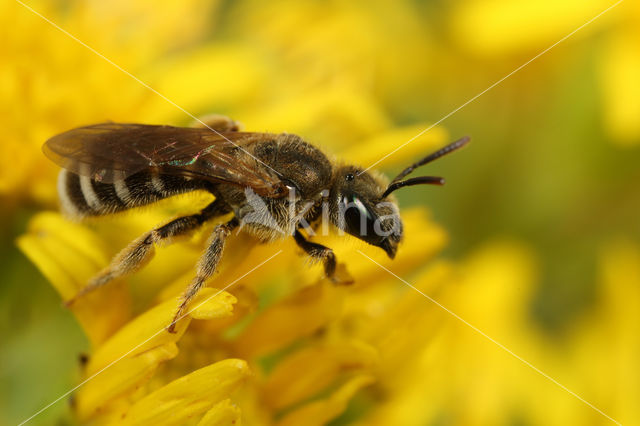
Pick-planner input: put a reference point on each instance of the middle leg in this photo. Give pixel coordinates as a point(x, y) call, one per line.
point(206, 267)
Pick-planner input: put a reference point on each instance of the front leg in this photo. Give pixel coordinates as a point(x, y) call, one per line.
point(206, 267)
point(319, 252)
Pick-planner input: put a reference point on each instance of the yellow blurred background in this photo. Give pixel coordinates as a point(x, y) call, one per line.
point(542, 210)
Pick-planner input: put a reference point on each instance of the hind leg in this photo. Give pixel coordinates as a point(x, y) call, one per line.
point(206, 267)
point(141, 251)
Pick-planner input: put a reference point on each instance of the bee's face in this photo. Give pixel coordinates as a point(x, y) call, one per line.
point(357, 207)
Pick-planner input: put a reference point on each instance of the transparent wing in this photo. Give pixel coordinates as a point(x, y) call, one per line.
point(111, 151)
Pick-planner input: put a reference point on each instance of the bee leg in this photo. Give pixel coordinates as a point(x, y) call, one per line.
point(321, 253)
point(206, 267)
point(217, 122)
point(141, 250)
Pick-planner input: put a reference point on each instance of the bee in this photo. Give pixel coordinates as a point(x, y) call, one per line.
point(273, 186)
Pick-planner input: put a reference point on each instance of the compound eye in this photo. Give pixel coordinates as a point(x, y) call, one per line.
point(357, 217)
point(362, 209)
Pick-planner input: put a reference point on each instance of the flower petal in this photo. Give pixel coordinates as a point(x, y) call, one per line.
point(224, 413)
point(288, 384)
point(148, 330)
point(120, 379)
point(508, 26)
point(68, 255)
point(621, 86)
point(296, 316)
point(321, 412)
point(381, 145)
point(189, 395)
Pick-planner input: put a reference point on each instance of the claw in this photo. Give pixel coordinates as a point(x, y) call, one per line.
point(177, 317)
point(341, 276)
point(172, 328)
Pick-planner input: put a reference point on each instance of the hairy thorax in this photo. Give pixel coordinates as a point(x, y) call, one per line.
point(307, 173)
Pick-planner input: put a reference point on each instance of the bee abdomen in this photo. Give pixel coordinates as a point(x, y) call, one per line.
point(82, 196)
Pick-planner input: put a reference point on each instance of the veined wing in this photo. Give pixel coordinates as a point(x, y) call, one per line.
point(110, 151)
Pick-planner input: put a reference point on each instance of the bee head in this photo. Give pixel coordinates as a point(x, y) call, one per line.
point(359, 207)
point(363, 205)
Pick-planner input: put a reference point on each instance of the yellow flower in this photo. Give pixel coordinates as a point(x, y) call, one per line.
point(513, 28)
point(310, 348)
point(620, 65)
point(314, 337)
point(606, 346)
point(276, 319)
point(270, 342)
point(245, 353)
point(508, 27)
point(463, 377)
point(56, 83)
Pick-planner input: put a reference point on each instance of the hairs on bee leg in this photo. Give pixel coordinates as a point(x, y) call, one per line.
point(207, 265)
point(318, 252)
point(141, 251)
